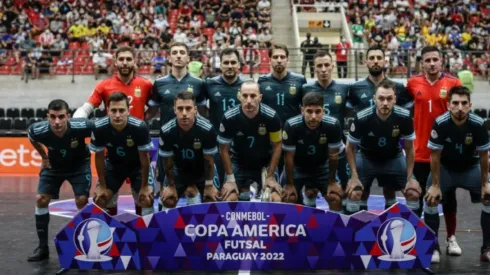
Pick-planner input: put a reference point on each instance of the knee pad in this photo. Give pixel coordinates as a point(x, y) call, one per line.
point(390, 202)
point(309, 201)
point(244, 196)
point(413, 205)
point(352, 206)
point(113, 201)
point(193, 200)
point(486, 208)
point(431, 210)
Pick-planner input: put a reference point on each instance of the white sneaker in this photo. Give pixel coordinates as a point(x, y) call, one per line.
point(453, 248)
point(436, 257)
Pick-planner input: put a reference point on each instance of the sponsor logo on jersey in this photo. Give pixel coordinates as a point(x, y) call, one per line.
point(292, 90)
point(137, 92)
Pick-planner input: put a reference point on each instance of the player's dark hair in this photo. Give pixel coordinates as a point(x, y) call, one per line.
point(58, 105)
point(313, 99)
point(124, 49)
point(185, 96)
point(178, 44)
point(229, 51)
point(117, 97)
point(279, 47)
point(322, 53)
point(429, 49)
point(460, 90)
point(386, 84)
point(375, 48)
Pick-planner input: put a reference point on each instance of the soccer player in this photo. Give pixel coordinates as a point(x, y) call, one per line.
point(187, 147)
point(222, 92)
point(309, 140)
point(430, 96)
point(254, 131)
point(127, 140)
point(377, 131)
point(455, 137)
point(361, 93)
point(136, 88)
point(334, 98)
point(67, 159)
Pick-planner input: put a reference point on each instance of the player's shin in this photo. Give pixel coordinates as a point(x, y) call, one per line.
point(42, 222)
point(485, 226)
point(431, 218)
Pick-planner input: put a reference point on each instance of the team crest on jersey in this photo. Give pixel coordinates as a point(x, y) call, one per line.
point(262, 130)
point(137, 92)
point(292, 90)
point(129, 142)
point(284, 135)
point(323, 139)
point(338, 99)
point(190, 89)
point(74, 143)
point(197, 144)
point(395, 132)
point(443, 93)
point(468, 140)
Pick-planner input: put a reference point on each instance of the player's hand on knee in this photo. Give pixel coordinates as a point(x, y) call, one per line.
point(354, 189)
point(433, 196)
point(271, 183)
point(412, 190)
point(335, 193)
point(228, 189)
point(211, 194)
point(101, 196)
point(485, 194)
point(145, 196)
point(169, 197)
point(289, 194)
point(46, 163)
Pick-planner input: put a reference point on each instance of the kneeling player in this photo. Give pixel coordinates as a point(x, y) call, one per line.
point(128, 143)
point(308, 141)
point(455, 137)
point(254, 131)
point(68, 159)
point(377, 130)
point(189, 141)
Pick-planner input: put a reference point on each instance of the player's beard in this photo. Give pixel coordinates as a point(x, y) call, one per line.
point(279, 69)
point(375, 71)
point(312, 124)
point(460, 116)
point(125, 71)
point(229, 75)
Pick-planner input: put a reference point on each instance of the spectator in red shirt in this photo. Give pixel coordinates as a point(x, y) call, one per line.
point(341, 51)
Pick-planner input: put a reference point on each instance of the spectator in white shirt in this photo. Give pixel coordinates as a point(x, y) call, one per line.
point(100, 63)
point(195, 22)
point(264, 4)
point(161, 22)
point(179, 36)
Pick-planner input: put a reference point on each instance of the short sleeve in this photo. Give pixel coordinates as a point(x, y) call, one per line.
point(201, 96)
point(407, 130)
point(351, 100)
point(31, 133)
point(355, 132)
point(155, 97)
point(403, 99)
point(274, 129)
point(96, 141)
point(209, 143)
point(288, 138)
point(436, 141)
point(481, 139)
point(143, 140)
point(335, 135)
point(226, 131)
point(96, 98)
point(165, 145)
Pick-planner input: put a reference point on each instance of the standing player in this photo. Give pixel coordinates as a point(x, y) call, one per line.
point(334, 98)
point(430, 96)
point(309, 140)
point(127, 140)
point(166, 88)
point(68, 159)
point(377, 131)
point(187, 146)
point(136, 88)
point(222, 92)
point(459, 159)
point(254, 130)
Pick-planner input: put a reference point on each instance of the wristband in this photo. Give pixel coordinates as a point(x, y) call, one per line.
point(208, 183)
point(230, 177)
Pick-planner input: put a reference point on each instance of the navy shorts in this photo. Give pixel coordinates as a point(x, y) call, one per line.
point(182, 180)
point(469, 180)
point(390, 173)
point(50, 181)
point(116, 175)
point(244, 176)
point(343, 170)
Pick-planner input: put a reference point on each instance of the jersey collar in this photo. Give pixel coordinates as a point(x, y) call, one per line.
point(129, 83)
point(185, 76)
point(440, 77)
point(285, 77)
point(238, 80)
point(328, 87)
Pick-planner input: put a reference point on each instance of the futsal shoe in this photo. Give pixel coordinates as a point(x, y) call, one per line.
point(436, 257)
point(453, 248)
point(39, 254)
point(485, 256)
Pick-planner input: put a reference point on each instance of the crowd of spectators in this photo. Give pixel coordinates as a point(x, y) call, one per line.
point(74, 31)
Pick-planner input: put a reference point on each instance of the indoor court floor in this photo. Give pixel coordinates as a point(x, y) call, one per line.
point(18, 236)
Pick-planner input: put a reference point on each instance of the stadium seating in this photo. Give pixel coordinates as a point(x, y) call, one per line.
point(13, 112)
point(41, 112)
point(19, 124)
point(5, 124)
point(33, 120)
point(27, 112)
point(2, 112)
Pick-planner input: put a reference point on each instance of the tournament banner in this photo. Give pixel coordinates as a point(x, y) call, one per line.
point(18, 157)
point(245, 236)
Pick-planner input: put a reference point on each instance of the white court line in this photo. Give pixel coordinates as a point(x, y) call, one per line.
point(243, 272)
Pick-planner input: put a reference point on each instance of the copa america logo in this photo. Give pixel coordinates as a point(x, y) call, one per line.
point(93, 239)
point(396, 237)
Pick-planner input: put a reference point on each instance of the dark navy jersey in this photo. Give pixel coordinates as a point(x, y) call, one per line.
point(459, 144)
point(334, 98)
point(250, 138)
point(283, 95)
point(222, 97)
point(166, 88)
point(361, 94)
point(311, 145)
point(188, 148)
point(122, 147)
point(68, 152)
point(378, 139)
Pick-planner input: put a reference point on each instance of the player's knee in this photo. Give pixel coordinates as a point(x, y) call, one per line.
point(486, 207)
point(42, 200)
point(233, 197)
point(275, 197)
point(81, 201)
point(334, 201)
